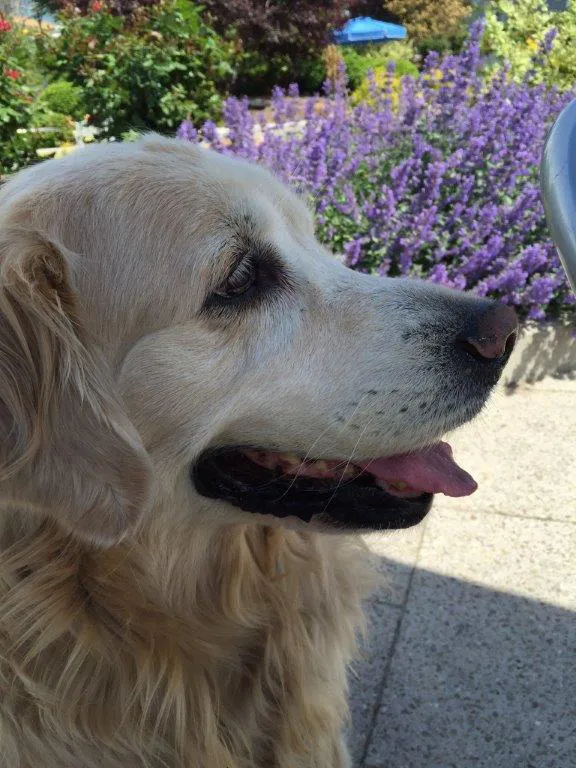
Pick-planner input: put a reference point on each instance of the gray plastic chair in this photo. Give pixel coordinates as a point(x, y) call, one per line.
point(558, 184)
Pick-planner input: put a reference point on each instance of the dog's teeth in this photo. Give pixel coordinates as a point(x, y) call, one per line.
point(290, 460)
point(292, 464)
point(286, 456)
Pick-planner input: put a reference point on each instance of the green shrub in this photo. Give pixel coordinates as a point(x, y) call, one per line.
point(63, 98)
point(257, 74)
point(119, 7)
point(443, 44)
point(430, 18)
point(381, 79)
point(310, 74)
point(377, 58)
point(516, 30)
point(147, 71)
point(16, 150)
point(61, 127)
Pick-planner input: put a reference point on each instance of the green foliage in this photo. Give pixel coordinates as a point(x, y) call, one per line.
point(148, 71)
point(281, 42)
point(359, 61)
point(427, 19)
point(16, 150)
point(118, 7)
point(63, 98)
point(517, 29)
point(257, 74)
point(514, 31)
point(443, 44)
point(61, 127)
point(309, 73)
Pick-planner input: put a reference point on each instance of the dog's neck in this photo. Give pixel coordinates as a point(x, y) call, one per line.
point(185, 572)
point(154, 631)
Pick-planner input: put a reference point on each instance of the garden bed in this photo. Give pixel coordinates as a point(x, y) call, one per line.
point(435, 176)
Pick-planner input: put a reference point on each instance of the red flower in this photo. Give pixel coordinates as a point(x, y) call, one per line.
point(5, 26)
point(13, 74)
point(96, 6)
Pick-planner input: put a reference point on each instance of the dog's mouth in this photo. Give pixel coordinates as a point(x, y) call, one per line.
point(379, 493)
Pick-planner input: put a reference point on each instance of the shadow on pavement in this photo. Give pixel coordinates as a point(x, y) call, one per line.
point(461, 676)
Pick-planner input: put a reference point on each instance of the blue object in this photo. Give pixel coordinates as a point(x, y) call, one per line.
point(363, 29)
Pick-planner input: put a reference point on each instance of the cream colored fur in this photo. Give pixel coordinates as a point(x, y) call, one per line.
point(142, 625)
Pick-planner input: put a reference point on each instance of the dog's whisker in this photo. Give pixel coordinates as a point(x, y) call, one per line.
point(348, 463)
point(315, 442)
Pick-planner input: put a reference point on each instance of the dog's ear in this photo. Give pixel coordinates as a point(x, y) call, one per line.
point(67, 448)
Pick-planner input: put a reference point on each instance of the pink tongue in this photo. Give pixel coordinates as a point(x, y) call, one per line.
point(432, 470)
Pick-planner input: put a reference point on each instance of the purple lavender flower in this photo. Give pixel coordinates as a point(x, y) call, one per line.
point(187, 131)
point(442, 184)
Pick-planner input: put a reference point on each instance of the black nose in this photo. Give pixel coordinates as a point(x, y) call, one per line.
point(490, 337)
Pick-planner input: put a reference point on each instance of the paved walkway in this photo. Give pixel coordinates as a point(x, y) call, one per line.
point(471, 661)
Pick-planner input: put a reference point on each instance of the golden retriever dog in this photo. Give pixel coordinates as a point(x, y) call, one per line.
point(200, 410)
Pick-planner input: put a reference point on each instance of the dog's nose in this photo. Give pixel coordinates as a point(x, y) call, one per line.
point(492, 335)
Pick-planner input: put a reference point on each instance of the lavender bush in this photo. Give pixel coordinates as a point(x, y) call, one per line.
point(440, 182)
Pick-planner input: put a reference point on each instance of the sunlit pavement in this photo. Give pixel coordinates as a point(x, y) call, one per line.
point(471, 659)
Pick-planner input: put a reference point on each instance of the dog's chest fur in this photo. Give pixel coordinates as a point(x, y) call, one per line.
point(210, 649)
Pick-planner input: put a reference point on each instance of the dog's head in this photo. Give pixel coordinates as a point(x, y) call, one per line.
point(173, 337)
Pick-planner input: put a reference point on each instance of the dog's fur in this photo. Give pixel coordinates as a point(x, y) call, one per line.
point(142, 625)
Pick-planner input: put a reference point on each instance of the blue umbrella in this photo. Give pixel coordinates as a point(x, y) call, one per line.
point(363, 29)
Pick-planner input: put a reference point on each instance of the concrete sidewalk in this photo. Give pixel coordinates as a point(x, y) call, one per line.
point(471, 660)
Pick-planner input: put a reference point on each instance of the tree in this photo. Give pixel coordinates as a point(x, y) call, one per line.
point(377, 9)
point(280, 27)
point(429, 18)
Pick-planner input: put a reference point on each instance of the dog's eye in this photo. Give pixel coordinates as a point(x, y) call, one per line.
point(239, 281)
